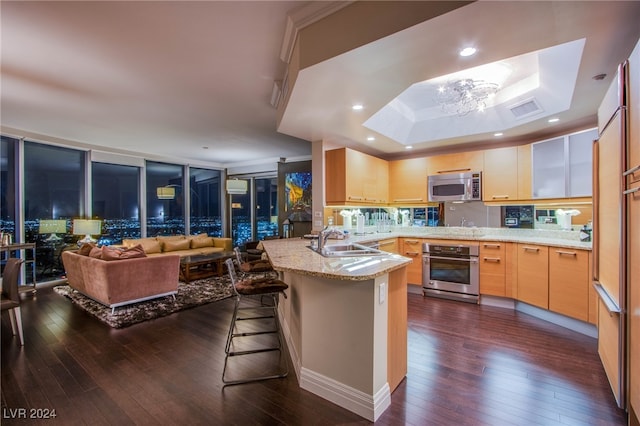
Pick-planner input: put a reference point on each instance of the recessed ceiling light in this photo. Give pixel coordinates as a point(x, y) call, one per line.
point(357, 107)
point(468, 51)
point(371, 139)
point(408, 147)
point(498, 134)
point(554, 120)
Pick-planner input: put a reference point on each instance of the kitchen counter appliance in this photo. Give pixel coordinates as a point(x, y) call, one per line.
point(455, 187)
point(451, 272)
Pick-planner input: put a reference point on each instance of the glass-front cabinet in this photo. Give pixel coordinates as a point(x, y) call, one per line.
point(562, 166)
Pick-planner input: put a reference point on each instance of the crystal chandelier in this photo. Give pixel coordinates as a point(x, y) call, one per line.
point(463, 96)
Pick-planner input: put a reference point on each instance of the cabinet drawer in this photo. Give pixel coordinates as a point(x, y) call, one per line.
point(412, 248)
point(492, 269)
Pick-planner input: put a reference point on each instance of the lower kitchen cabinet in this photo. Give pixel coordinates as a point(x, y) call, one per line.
point(493, 269)
point(412, 248)
point(533, 274)
point(569, 282)
point(389, 245)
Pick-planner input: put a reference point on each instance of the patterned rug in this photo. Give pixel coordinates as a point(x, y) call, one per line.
point(190, 295)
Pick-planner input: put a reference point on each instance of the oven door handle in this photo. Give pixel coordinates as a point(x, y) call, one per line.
point(470, 260)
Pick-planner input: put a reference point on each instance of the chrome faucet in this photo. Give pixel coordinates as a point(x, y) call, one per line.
point(463, 222)
point(324, 235)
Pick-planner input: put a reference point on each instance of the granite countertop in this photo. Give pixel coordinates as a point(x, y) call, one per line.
point(294, 255)
point(554, 238)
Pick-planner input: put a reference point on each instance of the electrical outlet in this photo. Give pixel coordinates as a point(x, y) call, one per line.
point(383, 293)
point(317, 223)
point(317, 214)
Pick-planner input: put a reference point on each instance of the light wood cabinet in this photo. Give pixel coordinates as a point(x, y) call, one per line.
point(569, 282)
point(353, 177)
point(500, 176)
point(524, 172)
point(412, 248)
point(633, 232)
point(472, 161)
point(389, 245)
point(533, 274)
point(507, 174)
point(493, 269)
point(408, 181)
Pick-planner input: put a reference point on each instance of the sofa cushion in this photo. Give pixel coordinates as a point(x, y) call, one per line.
point(175, 245)
point(85, 249)
point(170, 237)
point(224, 243)
point(201, 240)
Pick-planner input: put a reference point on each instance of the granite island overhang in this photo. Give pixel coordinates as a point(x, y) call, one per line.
point(345, 323)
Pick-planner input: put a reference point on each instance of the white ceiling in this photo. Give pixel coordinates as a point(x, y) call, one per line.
point(192, 81)
point(376, 73)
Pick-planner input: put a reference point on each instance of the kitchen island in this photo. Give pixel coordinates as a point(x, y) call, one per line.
point(345, 323)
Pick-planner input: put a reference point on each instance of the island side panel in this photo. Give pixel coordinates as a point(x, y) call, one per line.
point(337, 324)
point(397, 328)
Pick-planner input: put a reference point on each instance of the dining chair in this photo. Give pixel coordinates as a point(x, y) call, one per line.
point(10, 300)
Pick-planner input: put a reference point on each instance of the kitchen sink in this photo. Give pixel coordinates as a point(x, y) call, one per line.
point(351, 249)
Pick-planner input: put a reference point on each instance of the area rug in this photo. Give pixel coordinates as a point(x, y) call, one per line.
point(189, 295)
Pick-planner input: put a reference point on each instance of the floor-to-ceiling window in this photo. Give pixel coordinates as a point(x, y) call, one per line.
point(266, 210)
point(241, 228)
point(254, 214)
point(165, 199)
point(56, 188)
point(7, 186)
point(206, 202)
point(53, 195)
point(115, 200)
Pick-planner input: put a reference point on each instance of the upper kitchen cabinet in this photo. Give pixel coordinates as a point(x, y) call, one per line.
point(562, 167)
point(408, 181)
point(507, 174)
point(472, 161)
point(352, 177)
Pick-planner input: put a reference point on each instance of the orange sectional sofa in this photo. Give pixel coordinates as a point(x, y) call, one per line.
point(181, 245)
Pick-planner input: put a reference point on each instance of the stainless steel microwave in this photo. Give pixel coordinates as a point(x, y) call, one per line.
point(456, 187)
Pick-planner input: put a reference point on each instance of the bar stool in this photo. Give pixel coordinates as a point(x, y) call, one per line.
point(256, 290)
point(251, 266)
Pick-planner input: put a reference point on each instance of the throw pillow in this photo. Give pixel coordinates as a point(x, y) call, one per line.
point(175, 245)
point(85, 249)
point(133, 252)
point(96, 253)
point(201, 241)
point(109, 253)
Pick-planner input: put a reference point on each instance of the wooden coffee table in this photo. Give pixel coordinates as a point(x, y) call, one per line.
point(203, 265)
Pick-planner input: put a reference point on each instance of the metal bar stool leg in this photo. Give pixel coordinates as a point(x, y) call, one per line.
point(255, 290)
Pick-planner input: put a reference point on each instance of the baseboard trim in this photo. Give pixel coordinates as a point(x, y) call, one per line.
point(572, 324)
point(368, 406)
point(293, 354)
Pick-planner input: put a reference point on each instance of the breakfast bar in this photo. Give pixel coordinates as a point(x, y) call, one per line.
point(345, 322)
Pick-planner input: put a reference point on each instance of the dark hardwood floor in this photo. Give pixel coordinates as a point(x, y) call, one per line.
point(468, 365)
